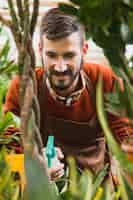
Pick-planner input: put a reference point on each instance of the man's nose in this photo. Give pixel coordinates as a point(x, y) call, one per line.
point(60, 65)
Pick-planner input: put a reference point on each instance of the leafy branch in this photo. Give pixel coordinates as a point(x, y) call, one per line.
point(22, 26)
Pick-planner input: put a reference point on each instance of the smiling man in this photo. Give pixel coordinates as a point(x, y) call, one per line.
point(63, 62)
point(66, 93)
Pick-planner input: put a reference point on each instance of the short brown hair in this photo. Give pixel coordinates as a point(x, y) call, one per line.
point(56, 25)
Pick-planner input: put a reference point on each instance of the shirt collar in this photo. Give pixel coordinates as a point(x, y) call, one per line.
point(74, 96)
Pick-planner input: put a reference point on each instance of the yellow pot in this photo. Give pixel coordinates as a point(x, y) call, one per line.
point(16, 163)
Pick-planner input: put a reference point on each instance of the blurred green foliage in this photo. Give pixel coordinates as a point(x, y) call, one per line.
point(7, 67)
point(7, 70)
point(109, 23)
point(9, 183)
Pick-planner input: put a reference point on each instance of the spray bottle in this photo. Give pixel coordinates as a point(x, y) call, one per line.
point(51, 153)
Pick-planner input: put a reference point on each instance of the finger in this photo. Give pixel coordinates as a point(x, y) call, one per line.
point(59, 153)
point(55, 172)
point(56, 169)
point(60, 174)
point(57, 175)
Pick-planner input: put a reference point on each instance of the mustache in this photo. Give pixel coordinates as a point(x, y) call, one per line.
point(68, 72)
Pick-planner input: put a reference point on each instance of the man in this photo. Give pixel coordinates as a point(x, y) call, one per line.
point(66, 93)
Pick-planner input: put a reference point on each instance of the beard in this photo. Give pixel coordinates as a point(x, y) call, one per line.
point(61, 81)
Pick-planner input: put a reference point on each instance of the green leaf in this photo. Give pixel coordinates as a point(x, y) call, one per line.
point(38, 185)
point(99, 179)
point(5, 51)
point(108, 193)
point(68, 9)
point(73, 176)
point(86, 185)
point(7, 120)
point(112, 144)
point(78, 2)
point(16, 193)
point(129, 93)
point(66, 195)
point(5, 177)
point(99, 194)
point(123, 191)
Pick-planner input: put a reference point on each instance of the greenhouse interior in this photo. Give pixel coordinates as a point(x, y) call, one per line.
point(66, 66)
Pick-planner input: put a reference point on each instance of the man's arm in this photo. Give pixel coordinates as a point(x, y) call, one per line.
point(12, 97)
point(12, 102)
point(120, 126)
point(12, 105)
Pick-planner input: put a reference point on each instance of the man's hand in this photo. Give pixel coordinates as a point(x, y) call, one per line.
point(60, 154)
point(58, 171)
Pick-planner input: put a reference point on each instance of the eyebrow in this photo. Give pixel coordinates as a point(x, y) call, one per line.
point(68, 53)
point(51, 53)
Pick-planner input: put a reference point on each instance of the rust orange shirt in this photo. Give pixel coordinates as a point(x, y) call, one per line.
point(79, 108)
point(80, 111)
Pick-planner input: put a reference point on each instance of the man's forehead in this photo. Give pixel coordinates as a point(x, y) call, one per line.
point(72, 39)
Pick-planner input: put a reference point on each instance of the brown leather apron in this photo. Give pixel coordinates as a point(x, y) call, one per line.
point(83, 140)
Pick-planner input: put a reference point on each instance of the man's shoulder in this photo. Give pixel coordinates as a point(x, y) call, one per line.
point(39, 72)
point(90, 67)
point(93, 70)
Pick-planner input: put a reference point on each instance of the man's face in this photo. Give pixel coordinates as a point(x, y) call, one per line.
point(62, 60)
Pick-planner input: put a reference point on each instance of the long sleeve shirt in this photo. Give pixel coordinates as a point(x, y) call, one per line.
point(81, 110)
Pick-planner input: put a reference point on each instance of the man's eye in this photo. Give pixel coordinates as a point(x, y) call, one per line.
point(69, 55)
point(51, 55)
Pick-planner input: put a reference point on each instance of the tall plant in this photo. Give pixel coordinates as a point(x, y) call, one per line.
point(22, 26)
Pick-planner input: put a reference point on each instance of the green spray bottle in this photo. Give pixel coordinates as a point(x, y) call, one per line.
point(51, 153)
point(52, 159)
